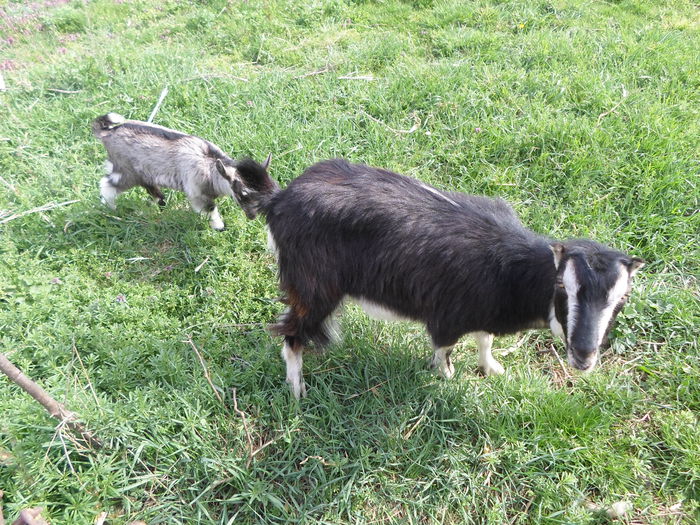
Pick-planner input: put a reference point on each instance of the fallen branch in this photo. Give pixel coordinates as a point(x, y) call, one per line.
point(45, 207)
point(65, 91)
point(206, 370)
point(352, 76)
point(199, 267)
point(245, 427)
point(160, 101)
point(54, 408)
point(611, 110)
point(314, 73)
point(206, 76)
point(416, 124)
point(561, 363)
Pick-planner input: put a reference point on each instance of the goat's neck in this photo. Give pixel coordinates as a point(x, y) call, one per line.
point(536, 284)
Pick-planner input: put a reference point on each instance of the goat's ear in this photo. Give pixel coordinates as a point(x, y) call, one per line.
point(558, 252)
point(237, 186)
point(266, 164)
point(635, 264)
point(222, 170)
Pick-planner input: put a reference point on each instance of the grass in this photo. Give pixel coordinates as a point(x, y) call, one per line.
point(583, 115)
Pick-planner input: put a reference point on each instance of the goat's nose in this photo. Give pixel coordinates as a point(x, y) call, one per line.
point(584, 364)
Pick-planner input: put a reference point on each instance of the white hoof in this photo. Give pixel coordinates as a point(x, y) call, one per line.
point(492, 368)
point(298, 388)
point(442, 364)
point(215, 221)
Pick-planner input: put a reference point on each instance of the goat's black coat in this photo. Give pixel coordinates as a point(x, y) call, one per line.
point(456, 262)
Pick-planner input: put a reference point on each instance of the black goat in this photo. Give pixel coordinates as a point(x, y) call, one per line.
point(458, 263)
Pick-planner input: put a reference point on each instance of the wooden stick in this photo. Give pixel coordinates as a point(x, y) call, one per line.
point(206, 370)
point(416, 124)
point(611, 110)
point(314, 73)
point(45, 207)
point(369, 78)
point(203, 263)
point(66, 91)
point(561, 363)
point(160, 101)
point(245, 427)
point(53, 407)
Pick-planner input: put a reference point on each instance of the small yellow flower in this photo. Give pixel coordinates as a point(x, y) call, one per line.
point(521, 26)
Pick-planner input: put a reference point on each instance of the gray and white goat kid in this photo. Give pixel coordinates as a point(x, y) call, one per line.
point(457, 263)
point(152, 156)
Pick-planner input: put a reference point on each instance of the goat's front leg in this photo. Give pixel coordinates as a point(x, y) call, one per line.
point(487, 364)
point(206, 206)
point(292, 355)
point(441, 361)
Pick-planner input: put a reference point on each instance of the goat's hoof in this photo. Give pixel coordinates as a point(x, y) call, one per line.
point(444, 369)
point(161, 203)
point(492, 368)
point(298, 389)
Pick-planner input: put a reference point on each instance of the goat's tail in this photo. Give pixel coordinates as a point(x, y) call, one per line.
point(106, 123)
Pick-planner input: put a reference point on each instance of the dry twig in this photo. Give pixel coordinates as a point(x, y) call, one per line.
point(199, 267)
point(38, 209)
point(415, 127)
point(353, 76)
point(314, 73)
point(320, 459)
point(160, 101)
point(611, 110)
point(2, 518)
point(53, 407)
point(245, 427)
point(206, 370)
point(561, 363)
point(206, 76)
point(101, 518)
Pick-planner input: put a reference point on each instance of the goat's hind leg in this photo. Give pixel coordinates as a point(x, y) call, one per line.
point(300, 324)
point(111, 185)
point(156, 194)
point(292, 353)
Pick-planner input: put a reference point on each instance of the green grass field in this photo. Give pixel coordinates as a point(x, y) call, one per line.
point(585, 115)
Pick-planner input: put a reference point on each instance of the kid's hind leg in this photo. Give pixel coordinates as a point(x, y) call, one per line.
point(112, 185)
point(156, 194)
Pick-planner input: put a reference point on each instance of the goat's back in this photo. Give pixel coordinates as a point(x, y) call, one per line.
point(430, 255)
point(158, 155)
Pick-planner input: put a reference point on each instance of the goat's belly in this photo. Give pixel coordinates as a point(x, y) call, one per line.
point(377, 311)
